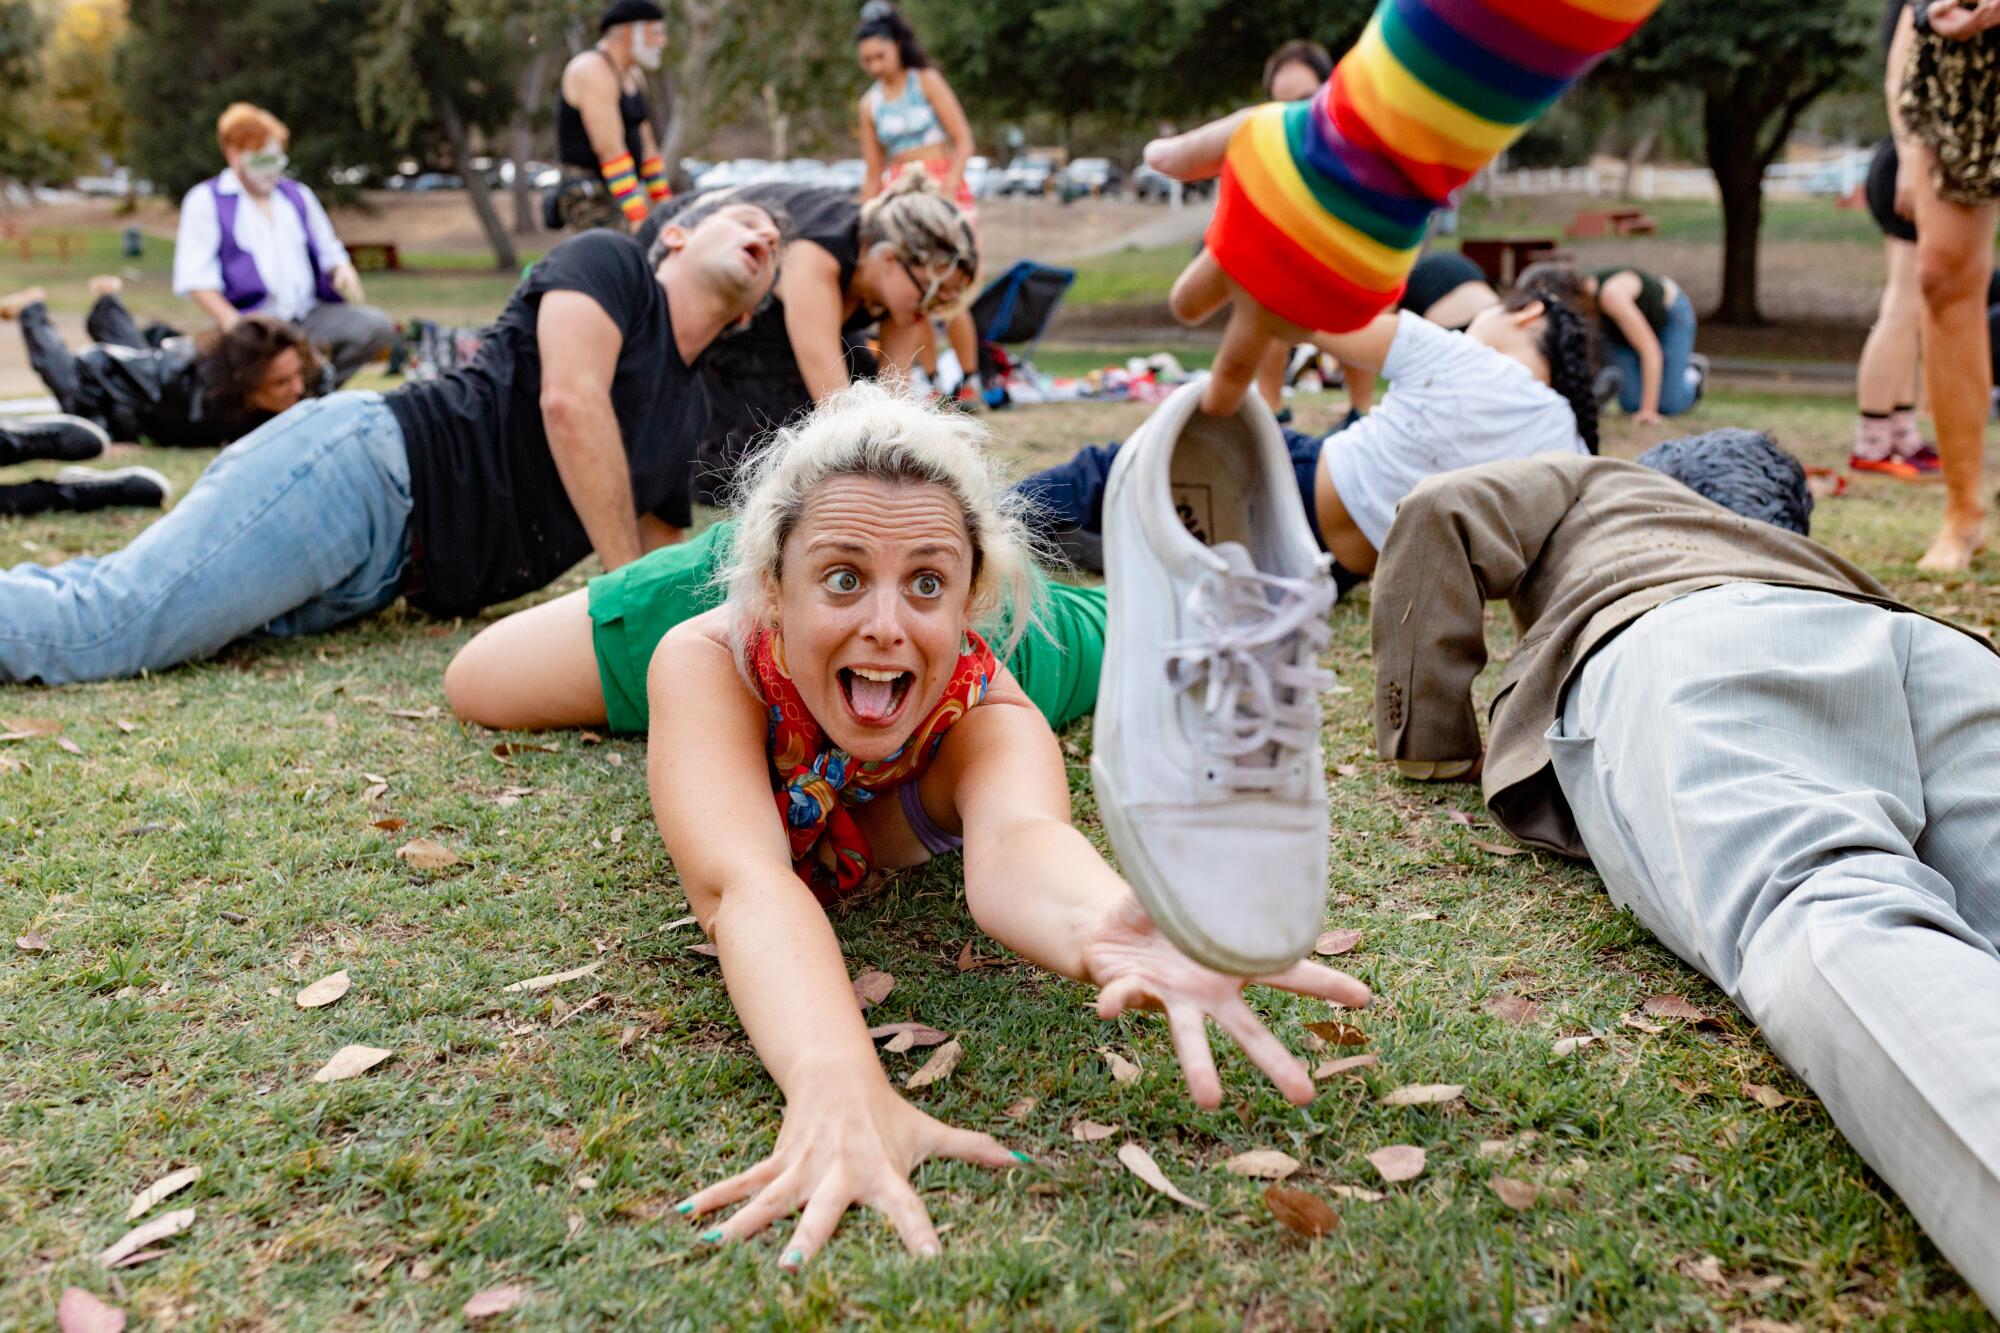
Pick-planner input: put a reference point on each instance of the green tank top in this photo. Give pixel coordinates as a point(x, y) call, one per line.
point(1652, 299)
point(632, 608)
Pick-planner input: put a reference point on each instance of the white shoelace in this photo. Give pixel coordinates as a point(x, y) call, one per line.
point(1254, 652)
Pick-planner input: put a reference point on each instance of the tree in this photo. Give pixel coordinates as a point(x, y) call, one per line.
point(23, 154)
point(80, 71)
point(1756, 68)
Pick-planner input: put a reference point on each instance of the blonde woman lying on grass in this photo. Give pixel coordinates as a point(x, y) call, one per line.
point(845, 678)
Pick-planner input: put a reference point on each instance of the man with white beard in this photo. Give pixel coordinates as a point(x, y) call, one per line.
point(604, 130)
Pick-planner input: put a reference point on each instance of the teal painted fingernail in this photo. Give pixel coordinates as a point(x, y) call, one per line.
point(712, 1237)
point(685, 1207)
point(793, 1259)
point(1019, 1156)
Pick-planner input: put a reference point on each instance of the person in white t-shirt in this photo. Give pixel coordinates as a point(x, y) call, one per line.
point(254, 241)
point(1516, 382)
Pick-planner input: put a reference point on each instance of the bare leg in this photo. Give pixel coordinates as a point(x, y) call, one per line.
point(12, 304)
point(1887, 375)
point(533, 671)
point(1954, 262)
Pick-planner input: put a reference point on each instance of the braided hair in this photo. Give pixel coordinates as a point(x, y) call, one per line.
point(1570, 350)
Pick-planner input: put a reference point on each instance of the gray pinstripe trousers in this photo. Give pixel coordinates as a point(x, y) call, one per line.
point(1799, 794)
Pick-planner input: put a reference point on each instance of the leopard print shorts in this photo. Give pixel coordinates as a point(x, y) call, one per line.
point(1951, 102)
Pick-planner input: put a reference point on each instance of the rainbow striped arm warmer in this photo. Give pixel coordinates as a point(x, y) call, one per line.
point(654, 173)
point(1324, 204)
point(618, 174)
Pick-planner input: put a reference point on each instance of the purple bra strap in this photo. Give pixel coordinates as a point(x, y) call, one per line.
point(935, 840)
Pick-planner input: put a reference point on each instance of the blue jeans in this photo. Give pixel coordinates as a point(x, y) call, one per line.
point(1676, 347)
point(298, 527)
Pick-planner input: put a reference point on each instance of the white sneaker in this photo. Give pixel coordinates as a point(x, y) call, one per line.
point(1207, 762)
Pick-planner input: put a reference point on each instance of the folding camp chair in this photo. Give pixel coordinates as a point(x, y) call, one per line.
point(1015, 310)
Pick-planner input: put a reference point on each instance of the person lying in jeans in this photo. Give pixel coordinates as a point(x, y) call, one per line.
point(1788, 777)
point(571, 433)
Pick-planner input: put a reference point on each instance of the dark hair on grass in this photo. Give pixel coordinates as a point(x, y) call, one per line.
point(1558, 281)
point(881, 19)
point(233, 362)
point(1742, 470)
point(1570, 349)
point(1303, 51)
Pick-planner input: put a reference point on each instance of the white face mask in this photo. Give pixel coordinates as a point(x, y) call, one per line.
point(261, 170)
point(647, 52)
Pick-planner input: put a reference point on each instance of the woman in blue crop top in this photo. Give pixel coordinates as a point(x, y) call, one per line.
point(911, 121)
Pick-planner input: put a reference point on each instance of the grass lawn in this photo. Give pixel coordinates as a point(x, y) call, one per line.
point(196, 847)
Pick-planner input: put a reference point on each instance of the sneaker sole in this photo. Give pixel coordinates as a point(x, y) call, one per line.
point(87, 476)
point(1166, 913)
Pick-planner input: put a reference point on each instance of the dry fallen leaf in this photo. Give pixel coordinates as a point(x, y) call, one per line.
point(1398, 1162)
point(374, 792)
point(349, 1061)
point(1333, 943)
point(943, 1060)
point(1262, 1164)
point(1018, 1109)
point(65, 743)
point(1765, 1095)
point(171, 1183)
point(1765, 1326)
point(32, 942)
point(1356, 1192)
point(1638, 1024)
point(1571, 1045)
point(1673, 1006)
point(507, 749)
point(1706, 1270)
point(1089, 1131)
point(324, 991)
point(1338, 1033)
point(1498, 848)
point(31, 726)
point(81, 1312)
point(127, 727)
point(139, 1237)
point(142, 1257)
point(910, 1034)
point(391, 824)
point(968, 960)
point(1506, 1147)
point(1329, 1068)
point(1122, 1070)
point(678, 922)
point(1303, 1213)
point(1141, 1164)
point(1347, 770)
point(423, 854)
point(1516, 1194)
point(1461, 818)
point(1423, 1094)
point(1513, 1009)
point(1687, 1089)
point(494, 1301)
point(553, 978)
point(706, 950)
point(873, 987)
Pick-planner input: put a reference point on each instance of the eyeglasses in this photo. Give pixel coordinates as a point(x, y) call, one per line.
point(930, 295)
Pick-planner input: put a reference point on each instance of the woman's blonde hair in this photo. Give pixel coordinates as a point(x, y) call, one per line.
point(867, 430)
point(925, 229)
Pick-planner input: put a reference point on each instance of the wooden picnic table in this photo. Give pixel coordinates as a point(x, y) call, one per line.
point(1502, 258)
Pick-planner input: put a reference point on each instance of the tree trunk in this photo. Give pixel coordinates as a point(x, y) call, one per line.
point(505, 258)
point(521, 146)
point(1635, 157)
point(1732, 130)
point(689, 94)
point(779, 121)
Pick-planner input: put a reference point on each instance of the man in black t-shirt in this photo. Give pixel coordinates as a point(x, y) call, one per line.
point(572, 431)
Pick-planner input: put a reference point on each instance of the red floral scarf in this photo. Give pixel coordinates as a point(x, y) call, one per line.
point(815, 781)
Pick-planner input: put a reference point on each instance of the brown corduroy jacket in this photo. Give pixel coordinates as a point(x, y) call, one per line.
point(1579, 548)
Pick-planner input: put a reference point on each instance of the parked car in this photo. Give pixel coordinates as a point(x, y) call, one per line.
point(1089, 177)
point(1029, 173)
point(1150, 184)
point(982, 178)
point(736, 171)
point(437, 180)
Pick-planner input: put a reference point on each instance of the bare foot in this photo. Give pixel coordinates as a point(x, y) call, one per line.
point(14, 303)
point(1955, 545)
point(106, 284)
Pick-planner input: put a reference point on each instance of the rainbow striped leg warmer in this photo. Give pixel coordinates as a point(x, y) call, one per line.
point(654, 173)
point(1324, 204)
point(624, 183)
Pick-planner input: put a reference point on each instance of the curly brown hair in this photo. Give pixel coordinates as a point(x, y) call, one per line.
point(235, 361)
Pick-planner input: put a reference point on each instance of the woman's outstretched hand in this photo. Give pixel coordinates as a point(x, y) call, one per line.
point(842, 1145)
point(1136, 967)
point(1203, 288)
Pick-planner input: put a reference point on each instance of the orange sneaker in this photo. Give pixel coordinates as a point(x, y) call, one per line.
point(1902, 469)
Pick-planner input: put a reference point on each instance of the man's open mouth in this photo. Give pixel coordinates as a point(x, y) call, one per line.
point(875, 695)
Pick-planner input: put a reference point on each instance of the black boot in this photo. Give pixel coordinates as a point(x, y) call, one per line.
point(84, 489)
point(66, 439)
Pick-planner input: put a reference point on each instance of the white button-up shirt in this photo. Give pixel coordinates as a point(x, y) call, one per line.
point(276, 242)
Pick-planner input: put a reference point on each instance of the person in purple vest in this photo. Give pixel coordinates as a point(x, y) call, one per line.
point(252, 240)
point(572, 431)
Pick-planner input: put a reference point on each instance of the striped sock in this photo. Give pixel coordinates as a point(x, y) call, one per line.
point(618, 174)
point(654, 173)
point(1324, 203)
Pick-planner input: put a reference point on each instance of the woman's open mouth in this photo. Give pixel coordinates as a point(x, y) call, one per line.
point(875, 695)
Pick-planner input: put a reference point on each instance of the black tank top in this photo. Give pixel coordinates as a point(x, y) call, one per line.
point(573, 141)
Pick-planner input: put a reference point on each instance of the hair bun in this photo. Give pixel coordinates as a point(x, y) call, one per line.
point(875, 10)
